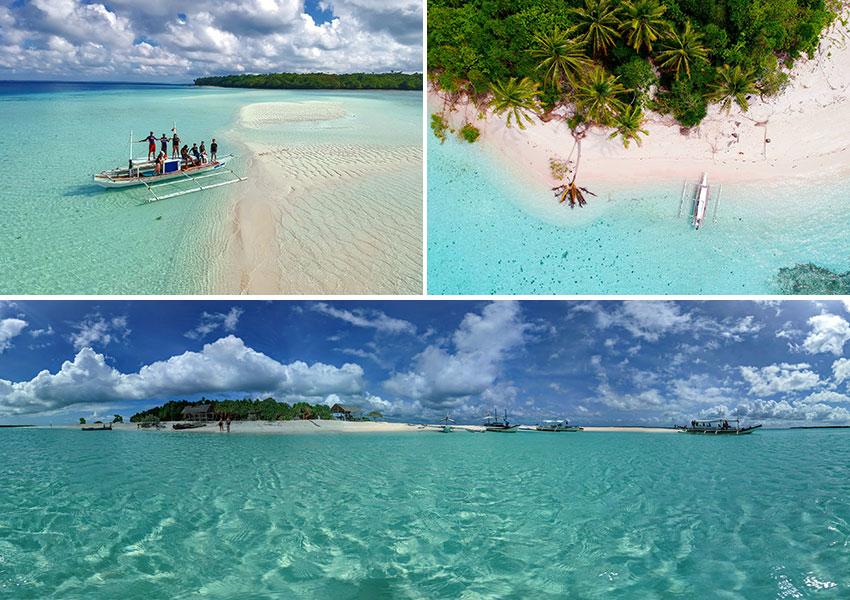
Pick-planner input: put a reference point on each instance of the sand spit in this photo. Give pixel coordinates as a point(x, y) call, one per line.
point(803, 134)
point(316, 426)
point(326, 218)
point(262, 114)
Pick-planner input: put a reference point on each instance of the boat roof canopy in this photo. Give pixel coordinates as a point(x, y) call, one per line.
point(715, 420)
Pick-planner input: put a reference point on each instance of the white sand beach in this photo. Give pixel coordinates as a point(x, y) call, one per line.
point(323, 218)
point(318, 426)
point(803, 134)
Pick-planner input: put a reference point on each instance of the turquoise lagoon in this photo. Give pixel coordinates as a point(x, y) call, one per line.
point(64, 235)
point(488, 235)
point(137, 514)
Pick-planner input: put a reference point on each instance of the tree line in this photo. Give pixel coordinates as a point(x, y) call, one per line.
point(315, 81)
point(267, 409)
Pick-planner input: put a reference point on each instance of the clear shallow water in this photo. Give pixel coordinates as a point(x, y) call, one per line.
point(483, 239)
point(64, 235)
point(590, 515)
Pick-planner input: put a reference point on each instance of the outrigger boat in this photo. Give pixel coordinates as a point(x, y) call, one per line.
point(499, 424)
point(716, 427)
point(142, 171)
point(446, 427)
point(100, 427)
point(701, 201)
point(557, 425)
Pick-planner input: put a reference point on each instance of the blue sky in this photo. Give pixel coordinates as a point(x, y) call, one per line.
point(781, 363)
point(168, 41)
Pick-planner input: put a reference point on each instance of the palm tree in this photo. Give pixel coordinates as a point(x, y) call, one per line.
point(597, 25)
point(571, 193)
point(628, 124)
point(597, 98)
point(560, 56)
point(732, 85)
point(683, 51)
point(516, 97)
point(643, 23)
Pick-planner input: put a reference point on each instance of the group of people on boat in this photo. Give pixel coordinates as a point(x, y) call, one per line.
point(721, 425)
point(193, 157)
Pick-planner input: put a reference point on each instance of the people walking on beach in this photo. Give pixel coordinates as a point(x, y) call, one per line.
point(203, 152)
point(175, 145)
point(213, 150)
point(228, 424)
point(151, 140)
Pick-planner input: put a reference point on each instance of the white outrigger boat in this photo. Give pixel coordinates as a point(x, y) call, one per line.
point(716, 427)
point(557, 425)
point(701, 201)
point(142, 171)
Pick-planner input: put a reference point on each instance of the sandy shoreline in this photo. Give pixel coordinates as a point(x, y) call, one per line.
point(318, 427)
point(323, 218)
point(804, 135)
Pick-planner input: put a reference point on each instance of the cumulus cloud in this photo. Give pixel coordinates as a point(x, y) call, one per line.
point(212, 321)
point(791, 412)
point(9, 329)
point(226, 365)
point(776, 379)
point(828, 334)
point(841, 370)
point(373, 319)
point(160, 39)
point(96, 329)
point(442, 379)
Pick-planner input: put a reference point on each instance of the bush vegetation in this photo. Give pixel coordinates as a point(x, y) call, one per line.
point(316, 81)
point(267, 409)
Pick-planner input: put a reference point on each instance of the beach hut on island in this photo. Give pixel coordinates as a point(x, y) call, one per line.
point(346, 412)
point(200, 412)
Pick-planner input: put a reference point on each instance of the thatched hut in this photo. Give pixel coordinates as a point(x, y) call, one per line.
point(346, 412)
point(200, 412)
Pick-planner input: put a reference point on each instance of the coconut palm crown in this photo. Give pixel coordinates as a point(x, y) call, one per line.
point(598, 25)
point(518, 98)
point(683, 51)
point(560, 57)
point(598, 97)
point(732, 85)
point(643, 23)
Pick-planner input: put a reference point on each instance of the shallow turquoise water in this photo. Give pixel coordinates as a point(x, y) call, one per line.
point(593, 515)
point(64, 235)
point(482, 239)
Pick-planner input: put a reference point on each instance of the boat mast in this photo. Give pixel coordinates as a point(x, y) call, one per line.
point(131, 148)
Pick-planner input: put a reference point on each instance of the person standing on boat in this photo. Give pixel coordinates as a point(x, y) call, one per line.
point(203, 152)
point(164, 142)
point(151, 140)
point(175, 145)
point(213, 150)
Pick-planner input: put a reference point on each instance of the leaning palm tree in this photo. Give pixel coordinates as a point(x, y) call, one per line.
point(516, 97)
point(571, 193)
point(560, 57)
point(683, 51)
point(628, 124)
point(597, 25)
point(732, 85)
point(597, 97)
point(643, 23)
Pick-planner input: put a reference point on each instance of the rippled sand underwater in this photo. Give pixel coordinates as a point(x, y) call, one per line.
point(423, 515)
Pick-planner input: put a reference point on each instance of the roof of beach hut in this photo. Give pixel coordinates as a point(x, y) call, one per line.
point(194, 410)
point(345, 408)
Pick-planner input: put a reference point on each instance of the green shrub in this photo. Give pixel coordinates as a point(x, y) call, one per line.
point(469, 133)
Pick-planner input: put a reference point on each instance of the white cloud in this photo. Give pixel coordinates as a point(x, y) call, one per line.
point(776, 379)
point(226, 365)
point(784, 412)
point(96, 329)
point(9, 329)
point(212, 321)
point(841, 369)
point(40, 332)
point(442, 379)
point(373, 319)
point(828, 334)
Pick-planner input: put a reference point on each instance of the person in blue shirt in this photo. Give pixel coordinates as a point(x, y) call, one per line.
point(151, 140)
point(164, 142)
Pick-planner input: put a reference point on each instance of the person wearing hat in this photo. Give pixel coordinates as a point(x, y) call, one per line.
point(151, 140)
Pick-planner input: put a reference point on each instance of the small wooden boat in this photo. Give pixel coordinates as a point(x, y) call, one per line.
point(446, 428)
point(499, 424)
point(99, 427)
point(180, 426)
point(701, 201)
point(557, 425)
point(716, 427)
point(142, 171)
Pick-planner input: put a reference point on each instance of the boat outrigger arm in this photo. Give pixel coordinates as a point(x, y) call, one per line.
point(199, 187)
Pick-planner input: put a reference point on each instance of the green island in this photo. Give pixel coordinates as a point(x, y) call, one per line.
point(606, 62)
point(318, 81)
point(267, 409)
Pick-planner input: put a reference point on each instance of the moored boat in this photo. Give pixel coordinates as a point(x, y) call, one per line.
point(100, 427)
point(716, 427)
point(180, 426)
point(499, 424)
point(557, 425)
point(701, 201)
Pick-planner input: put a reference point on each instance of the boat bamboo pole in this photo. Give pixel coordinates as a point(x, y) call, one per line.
point(682, 203)
point(717, 204)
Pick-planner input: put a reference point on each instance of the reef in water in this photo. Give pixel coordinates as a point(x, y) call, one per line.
point(811, 279)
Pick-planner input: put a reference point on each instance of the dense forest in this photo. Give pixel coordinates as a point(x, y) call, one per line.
point(610, 60)
point(267, 410)
point(319, 81)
